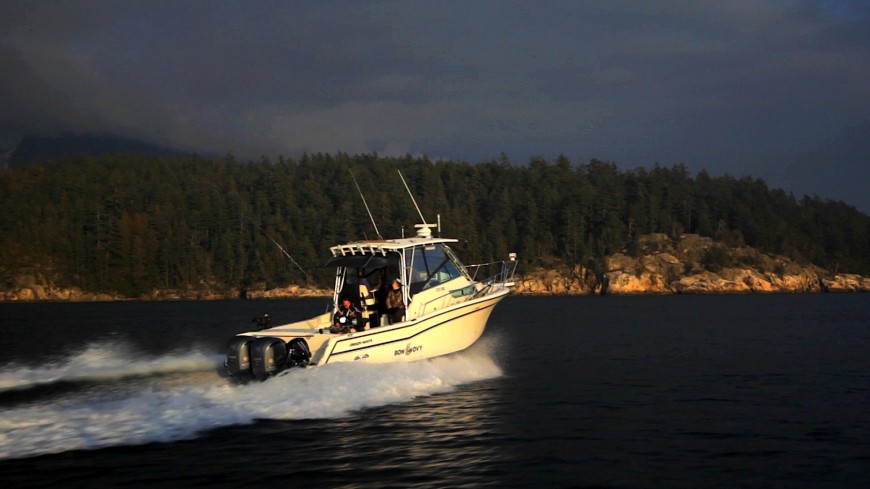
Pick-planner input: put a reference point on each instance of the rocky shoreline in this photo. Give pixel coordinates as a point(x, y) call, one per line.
point(728, 281)
point(690, 264)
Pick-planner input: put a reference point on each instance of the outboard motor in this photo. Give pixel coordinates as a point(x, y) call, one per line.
point(238, 363)
point(298, 353)
point(268, 356)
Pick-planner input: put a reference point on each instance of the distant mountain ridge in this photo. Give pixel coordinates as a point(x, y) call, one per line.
point(32, 149)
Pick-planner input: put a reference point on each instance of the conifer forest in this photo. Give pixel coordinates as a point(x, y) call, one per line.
point(131, 224)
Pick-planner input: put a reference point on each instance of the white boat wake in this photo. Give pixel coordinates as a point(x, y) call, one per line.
point(176, 397)
point(101, 362)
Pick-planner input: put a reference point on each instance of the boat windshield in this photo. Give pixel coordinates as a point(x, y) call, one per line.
point(431, 265)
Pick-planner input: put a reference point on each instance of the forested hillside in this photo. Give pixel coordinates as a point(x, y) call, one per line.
point(133, 224)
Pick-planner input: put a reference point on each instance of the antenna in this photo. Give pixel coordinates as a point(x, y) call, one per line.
point(412, 199)
point(365, 204)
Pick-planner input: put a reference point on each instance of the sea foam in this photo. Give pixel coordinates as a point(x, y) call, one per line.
point(175, 397)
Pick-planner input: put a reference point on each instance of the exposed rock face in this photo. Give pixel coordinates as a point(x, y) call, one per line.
point(550, 282)
point(40, 287)
point(689, 265)
point(692, 265)
point(846, 283)
point(27, 288)
point(291, 291)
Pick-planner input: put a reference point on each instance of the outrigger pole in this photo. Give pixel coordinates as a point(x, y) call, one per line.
point(290, 257)
point(412, 199)
point(365, 204)
point(260, 228)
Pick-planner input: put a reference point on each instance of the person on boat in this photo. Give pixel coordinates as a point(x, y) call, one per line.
point(262, 321)
point(346, 317)
point(395, 304)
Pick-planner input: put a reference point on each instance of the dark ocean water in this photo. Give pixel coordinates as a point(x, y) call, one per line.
point(678, 391)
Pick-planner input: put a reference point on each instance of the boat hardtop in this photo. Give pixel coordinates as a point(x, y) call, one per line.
point(384, 246)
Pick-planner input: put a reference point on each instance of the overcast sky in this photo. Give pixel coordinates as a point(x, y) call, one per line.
point(778, 90)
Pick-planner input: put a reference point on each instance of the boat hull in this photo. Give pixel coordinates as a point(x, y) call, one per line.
point(440, 333)
point(435, 334)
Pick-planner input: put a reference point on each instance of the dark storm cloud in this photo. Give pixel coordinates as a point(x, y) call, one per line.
point(773, 89)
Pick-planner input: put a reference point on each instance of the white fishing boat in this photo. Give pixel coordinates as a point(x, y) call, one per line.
point(439, 306)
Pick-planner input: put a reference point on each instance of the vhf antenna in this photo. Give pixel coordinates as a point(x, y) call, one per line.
point(365, 204)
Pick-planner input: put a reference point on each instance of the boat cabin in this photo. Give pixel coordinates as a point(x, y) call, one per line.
point(429, 274)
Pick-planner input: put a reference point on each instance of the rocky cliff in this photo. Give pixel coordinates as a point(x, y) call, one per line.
point(690, 264)
point(41, 286)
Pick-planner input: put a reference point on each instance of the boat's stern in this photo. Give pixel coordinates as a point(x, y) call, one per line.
point(258, 355)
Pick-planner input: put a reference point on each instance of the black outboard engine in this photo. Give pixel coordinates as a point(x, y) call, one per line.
point(298, 353)
point(268, 356)
point(238, 361)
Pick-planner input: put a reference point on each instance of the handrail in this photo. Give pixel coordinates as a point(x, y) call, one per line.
point(504, 278)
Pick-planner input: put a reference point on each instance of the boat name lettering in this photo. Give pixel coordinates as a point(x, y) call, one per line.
point(408, 350)
point(357, 343)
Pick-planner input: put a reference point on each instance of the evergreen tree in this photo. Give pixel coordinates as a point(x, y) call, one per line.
point(135, 224)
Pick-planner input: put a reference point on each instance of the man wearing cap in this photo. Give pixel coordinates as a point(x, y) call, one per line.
point(395, 304)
